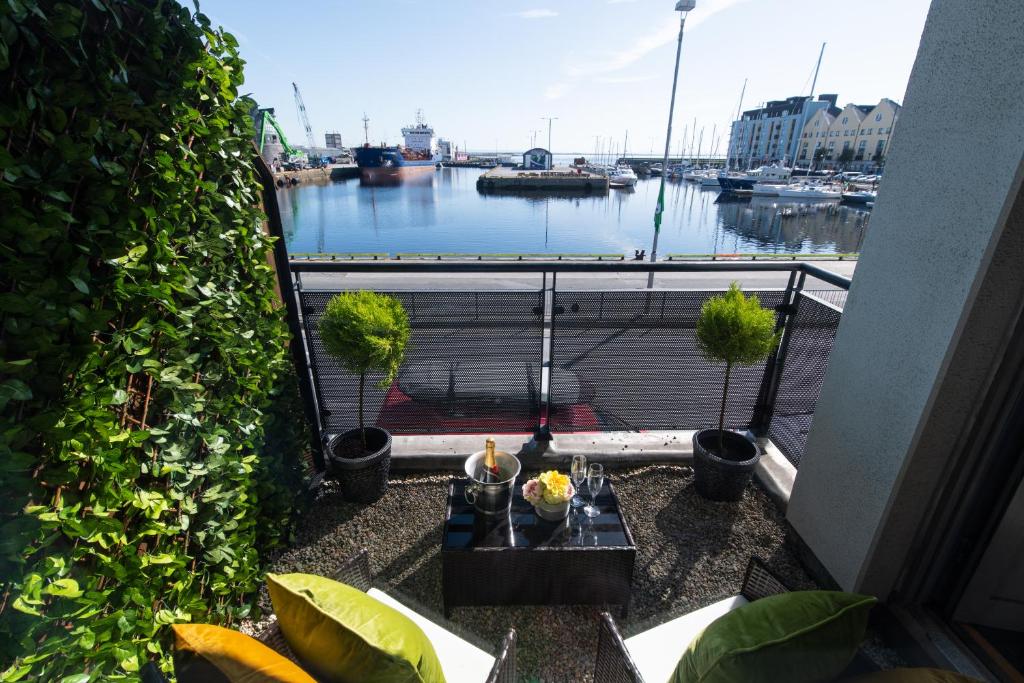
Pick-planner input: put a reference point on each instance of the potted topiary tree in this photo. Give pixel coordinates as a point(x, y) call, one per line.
point(735, 330)
point(367, 332)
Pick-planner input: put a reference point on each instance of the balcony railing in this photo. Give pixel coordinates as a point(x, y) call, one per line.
point(548, 358)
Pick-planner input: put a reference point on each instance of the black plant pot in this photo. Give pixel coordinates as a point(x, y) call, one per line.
point(723, 478)
point(362, 473)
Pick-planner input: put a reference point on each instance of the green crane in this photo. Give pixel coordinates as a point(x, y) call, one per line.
point(266, 117)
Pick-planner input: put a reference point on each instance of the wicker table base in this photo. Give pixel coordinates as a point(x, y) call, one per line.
point(522, 559)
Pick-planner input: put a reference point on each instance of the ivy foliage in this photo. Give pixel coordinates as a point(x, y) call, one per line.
point(149, 442)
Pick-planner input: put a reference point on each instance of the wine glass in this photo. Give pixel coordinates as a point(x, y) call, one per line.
point(595, 480)
point(578, 472)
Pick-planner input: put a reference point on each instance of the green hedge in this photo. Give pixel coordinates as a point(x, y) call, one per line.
point(149, 437)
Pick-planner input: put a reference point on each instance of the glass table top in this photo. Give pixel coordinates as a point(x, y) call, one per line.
point(466, 529)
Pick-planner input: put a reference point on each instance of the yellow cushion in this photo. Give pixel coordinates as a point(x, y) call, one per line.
point(213, 654)
point(342, 634)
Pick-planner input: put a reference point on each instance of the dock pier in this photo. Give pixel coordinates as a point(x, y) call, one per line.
point(559, 178)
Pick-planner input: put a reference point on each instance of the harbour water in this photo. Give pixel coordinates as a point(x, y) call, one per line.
point(443, 212)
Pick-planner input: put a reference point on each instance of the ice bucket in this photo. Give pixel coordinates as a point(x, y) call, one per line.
point(492, 498)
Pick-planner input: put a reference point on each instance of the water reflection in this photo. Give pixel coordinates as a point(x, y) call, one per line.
point(443, 212)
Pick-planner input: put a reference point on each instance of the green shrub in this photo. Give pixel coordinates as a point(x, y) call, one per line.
point(735, 330)
point(145, 396)
point(366, 332)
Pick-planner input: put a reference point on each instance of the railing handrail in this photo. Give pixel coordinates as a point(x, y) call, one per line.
point(567, 267)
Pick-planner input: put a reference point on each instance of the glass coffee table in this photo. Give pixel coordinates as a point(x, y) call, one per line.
point(521, 559)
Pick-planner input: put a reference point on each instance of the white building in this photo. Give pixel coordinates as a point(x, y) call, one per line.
point(446, 148)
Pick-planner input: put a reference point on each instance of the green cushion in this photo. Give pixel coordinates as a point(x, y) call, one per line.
point(798, 636)
point(342, 634)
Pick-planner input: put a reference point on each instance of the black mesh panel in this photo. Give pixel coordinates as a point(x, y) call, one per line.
point(473, 365)
point(813, 331)
point(629, 360)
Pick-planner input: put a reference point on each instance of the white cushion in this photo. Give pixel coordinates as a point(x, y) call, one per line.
point(657, 651)
point(459, 660)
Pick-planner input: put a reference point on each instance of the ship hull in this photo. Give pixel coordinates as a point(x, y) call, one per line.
point(387, 164)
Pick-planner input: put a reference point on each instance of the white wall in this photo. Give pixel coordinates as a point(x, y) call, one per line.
point(934, 286)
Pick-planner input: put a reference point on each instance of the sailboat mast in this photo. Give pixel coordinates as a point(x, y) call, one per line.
point(693, 136)
point(817, 68)
point(700, 141)
point(625, 142)
point(739, 111)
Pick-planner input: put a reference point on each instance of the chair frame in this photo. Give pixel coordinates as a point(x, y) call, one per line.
point(355, 572)
point(614, 664)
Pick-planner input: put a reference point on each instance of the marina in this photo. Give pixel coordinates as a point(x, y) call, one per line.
point(444, 212)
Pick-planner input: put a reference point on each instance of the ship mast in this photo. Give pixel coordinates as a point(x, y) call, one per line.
point(366, 128)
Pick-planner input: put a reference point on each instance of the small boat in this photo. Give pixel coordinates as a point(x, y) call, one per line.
point(655, 169)
point(862, 197)
point(619, 176)
point(623, 177)
point(809, 192)
point(709, 180)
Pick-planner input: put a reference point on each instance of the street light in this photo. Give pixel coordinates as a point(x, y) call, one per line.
point(683, 7)
point(549, 119)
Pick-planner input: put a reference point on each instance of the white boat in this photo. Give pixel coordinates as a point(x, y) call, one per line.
point(709, 179)
point(809, 192)
point(691, 174)
point(765, 189)
point(622, 176)
point(655, 169)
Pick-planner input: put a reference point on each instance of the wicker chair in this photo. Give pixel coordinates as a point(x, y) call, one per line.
point(615, 664)
point(458, 657)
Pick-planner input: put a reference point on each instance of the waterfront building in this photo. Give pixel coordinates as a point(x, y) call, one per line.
point(772, 133)
point(872, 140)
point(815, 136)
point(446, 148)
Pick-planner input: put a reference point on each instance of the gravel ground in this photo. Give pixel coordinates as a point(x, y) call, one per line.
point(690, 553)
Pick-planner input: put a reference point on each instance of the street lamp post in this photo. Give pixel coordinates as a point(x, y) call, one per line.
point(549, 119)
point(683, 7)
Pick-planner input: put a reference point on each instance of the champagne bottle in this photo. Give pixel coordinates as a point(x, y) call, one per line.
point(490, 474)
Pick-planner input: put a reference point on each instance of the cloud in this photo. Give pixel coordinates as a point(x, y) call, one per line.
point(648, 43)
point(535, 14)
point(555, 90)
point(624, 79)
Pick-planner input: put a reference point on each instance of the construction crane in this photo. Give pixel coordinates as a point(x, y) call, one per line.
point(303, 117)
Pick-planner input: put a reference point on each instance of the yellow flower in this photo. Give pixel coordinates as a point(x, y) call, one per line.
point(556, 487)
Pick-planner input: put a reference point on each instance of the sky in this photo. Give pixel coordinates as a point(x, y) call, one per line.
point(485, 72)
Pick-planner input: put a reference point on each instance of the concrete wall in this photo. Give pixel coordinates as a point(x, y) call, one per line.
point(938, 285)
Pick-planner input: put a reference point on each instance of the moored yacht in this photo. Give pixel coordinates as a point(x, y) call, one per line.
point(798, 191)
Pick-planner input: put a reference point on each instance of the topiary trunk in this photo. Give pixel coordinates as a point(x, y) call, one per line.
point(721, 413)
point(362, 429)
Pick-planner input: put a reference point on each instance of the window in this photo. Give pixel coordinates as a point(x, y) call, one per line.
point(845, 119)
point(878, 116)
point(870, 130)
point(879, 147)
point(862, 131)
point(846, 145)
point(816, 123)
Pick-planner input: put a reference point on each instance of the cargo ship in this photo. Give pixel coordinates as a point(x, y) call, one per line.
point(418, 155)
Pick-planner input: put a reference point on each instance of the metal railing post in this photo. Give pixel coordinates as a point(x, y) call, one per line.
point(289, 293)
point(769, 391)
point(543, 433)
